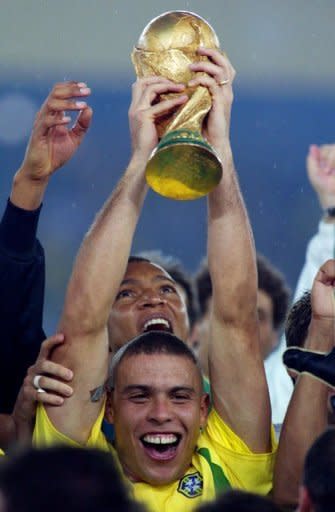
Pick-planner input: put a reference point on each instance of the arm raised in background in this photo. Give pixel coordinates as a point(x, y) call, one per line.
point(51, 145)
point(320, 165)
point(306, 416)
point(52, 142)
point(101, 264)
point(240, 393)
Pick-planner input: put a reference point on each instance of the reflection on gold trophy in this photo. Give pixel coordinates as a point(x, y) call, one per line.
point(183, 165)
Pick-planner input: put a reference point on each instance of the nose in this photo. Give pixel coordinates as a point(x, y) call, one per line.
point(160, 411)
point(150, 298)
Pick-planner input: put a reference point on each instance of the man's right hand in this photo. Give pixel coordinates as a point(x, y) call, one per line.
point(321, 172)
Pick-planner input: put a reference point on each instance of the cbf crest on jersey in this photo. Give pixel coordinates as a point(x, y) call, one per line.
point(191, 485)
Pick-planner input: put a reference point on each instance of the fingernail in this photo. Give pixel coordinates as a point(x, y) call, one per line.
point(69, 375)
point(84, 90)
point(66, 119)
point(60, 400)
point(81, 104)
point(69, 392)
point(81, 84)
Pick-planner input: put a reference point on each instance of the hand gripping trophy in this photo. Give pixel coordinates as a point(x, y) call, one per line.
point(183, 165)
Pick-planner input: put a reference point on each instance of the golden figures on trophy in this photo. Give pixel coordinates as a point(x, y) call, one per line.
point(183, 165)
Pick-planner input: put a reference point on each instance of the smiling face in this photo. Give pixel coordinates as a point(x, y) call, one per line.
point(157, 408)
point(148, 299)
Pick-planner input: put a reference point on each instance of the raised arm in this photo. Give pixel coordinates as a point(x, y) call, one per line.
point(21, 255)
point(237, 376)
point(51, 143)
point(320, 165)
point(100, 267)
point(306, 416)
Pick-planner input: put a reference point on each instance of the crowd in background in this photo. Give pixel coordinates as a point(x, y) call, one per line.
point(230, 315)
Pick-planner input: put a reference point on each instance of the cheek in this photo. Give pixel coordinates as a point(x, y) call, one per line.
point(123, 430)
point(190, 418)
point(119, 319)
point(130, 417)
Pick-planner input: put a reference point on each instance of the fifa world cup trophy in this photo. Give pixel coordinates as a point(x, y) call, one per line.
point(183, 165)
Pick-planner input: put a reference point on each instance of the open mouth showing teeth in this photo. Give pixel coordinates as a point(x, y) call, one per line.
point(161, 444)
point(157, 324)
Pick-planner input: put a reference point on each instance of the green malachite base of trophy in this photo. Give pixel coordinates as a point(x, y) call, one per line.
point(183, 166)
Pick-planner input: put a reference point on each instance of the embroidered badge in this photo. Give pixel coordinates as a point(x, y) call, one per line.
point(191, 485)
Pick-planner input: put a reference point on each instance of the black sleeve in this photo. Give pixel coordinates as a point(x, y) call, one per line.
point(22, 278)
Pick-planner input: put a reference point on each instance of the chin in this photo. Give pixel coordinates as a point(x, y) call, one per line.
point(162, 475)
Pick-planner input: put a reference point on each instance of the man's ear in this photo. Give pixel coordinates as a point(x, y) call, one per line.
point(109, 410)
point(204, 408)
point(305, 502)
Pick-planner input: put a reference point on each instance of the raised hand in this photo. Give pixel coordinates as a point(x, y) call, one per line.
point(145, 110)
point(217, 74)
point(321, 172)
point(323, 299)
point(52, 141)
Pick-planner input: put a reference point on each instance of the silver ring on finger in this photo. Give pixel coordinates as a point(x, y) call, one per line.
point(36, 384)
point(36, 381)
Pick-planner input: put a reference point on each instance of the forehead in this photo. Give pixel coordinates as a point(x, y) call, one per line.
point(159, 370)
point(140, 269)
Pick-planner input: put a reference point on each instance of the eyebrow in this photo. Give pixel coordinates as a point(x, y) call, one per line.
point(158, 277)
point(135, 387)
point(146, 389)
point(188, 389)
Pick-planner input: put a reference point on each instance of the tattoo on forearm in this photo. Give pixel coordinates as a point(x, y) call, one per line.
point(97, 393)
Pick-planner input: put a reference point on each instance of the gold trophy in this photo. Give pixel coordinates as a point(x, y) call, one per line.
point(183, 165)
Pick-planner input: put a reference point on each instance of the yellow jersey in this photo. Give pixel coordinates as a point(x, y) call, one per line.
point(221, 461)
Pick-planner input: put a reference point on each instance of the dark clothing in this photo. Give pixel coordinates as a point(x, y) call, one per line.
point(22, 278)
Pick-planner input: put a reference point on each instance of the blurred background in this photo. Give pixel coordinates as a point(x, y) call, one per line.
point(284, 101)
